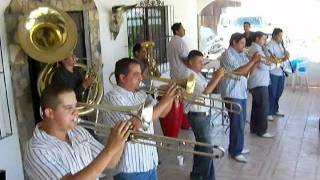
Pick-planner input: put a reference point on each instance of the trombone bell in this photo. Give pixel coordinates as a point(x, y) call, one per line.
point(188, 83)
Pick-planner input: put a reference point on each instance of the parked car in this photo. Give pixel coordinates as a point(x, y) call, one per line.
point(209, 42)
point(231, 24)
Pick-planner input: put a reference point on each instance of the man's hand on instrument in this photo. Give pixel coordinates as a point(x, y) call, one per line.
point(286, 56)
point(88, 82)
point(118, 136)
point(136, 123)
point(256, 57)
point(171, 93)
point(219, 73)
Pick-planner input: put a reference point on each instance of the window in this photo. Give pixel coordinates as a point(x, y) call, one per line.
point(151, 23)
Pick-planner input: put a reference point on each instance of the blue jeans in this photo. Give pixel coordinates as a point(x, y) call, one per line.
point(237, 124)
point(202, 127)
point(149, 175)
point(275, 91)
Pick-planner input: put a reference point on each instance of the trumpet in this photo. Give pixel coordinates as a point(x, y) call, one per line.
point(234, 75)
point(163, 142)
point(274, 60)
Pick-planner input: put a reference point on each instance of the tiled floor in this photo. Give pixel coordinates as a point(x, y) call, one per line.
point(293, 154)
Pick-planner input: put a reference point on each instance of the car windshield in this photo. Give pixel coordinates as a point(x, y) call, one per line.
point(254, 21)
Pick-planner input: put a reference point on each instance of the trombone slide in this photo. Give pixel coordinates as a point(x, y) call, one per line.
point(163, 142)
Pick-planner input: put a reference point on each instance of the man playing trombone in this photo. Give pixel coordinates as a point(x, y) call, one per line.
point(235, 90)
point(199, 118)
point(59, 149)
point(139, 161)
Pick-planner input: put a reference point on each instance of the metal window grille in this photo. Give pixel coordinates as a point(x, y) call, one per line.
point(151, 21)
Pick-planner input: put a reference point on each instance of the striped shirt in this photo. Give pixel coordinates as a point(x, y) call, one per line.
point(261, 75)
point(201, 84)
point(277, 50)
point(177, 51)
point(47, 157)
point(230, 87)
point(136, 157)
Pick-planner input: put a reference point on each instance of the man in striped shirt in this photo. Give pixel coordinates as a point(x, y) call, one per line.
point(59, 149)
point(235, 60)
point(138, 162)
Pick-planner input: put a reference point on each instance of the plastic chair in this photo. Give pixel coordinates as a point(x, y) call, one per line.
point(301, 73)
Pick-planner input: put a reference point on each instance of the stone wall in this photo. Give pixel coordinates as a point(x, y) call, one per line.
point(19, 60)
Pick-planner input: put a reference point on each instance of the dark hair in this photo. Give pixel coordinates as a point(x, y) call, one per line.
point(175, 27)
point(236, 37)
point(122, 67)
point(194, 53)
point(257, 34)
point(49, 96)
point(247, 22)
point(276, 31)
point(136, 48)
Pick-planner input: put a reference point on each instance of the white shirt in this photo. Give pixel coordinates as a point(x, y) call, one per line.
point(136, 157)
point(201, 84)
point(177, 51)
point(261, 75)
point(277, 50)
point(230, 87)
point(47, 157)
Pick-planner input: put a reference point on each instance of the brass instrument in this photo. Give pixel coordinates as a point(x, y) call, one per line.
point(49, 35)
point(234, 75)
point(274, 60)
point(168, 143)
point(188, 84)
point(187, 90)
point(94, 71)
point(200, 100)
point(152, 66)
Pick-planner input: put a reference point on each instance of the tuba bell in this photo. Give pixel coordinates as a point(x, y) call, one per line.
point(152, 66)
point(49, 35)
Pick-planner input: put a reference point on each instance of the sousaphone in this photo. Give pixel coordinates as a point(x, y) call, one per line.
point(49, 35)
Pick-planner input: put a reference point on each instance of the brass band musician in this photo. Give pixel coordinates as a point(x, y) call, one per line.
point(59, 149)
point(138, 161)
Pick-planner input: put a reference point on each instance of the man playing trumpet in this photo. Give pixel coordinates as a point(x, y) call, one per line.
point(199, 118)
point(235, 60)
point(277, 75)
point(138, 161)
point(59, 149)
point(258, 83)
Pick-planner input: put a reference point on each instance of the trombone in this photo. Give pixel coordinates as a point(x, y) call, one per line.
point(200, 100)
point(168, 143)
point(187, 93)
point(163, 142)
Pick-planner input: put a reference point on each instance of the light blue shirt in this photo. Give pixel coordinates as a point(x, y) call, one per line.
point(230, 87)
point(261, 75)
point(277, 50)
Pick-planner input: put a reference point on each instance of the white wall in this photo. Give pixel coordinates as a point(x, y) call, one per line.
point(10, 156)
point(185, 11)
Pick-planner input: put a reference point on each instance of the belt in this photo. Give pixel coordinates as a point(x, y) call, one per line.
point(198, 113)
